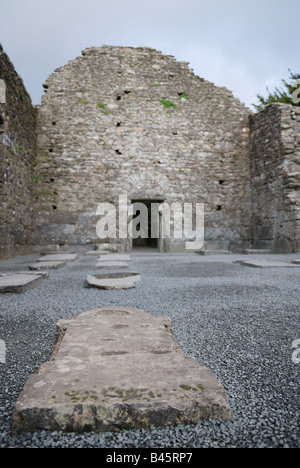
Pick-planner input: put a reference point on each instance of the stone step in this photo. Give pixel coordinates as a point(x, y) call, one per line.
point(118, 368)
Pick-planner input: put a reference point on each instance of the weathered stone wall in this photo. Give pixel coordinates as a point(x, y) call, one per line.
point(275, 156)
point(103, 130)
point(17, 158)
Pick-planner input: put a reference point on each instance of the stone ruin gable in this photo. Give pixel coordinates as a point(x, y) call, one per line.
point(17, 160)
point(275, 155)
point(104, 130)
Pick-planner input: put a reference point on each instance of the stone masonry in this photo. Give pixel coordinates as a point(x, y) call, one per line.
point(132, 121)
point(17, 160)
point(135, 122)
point(275, 165)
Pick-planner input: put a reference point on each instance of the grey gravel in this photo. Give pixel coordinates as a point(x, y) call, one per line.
point(238, 321)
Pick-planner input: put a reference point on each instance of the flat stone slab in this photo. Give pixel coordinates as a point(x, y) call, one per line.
point(254, 251)
point(296, 262)
point(264, 264)
point(118, 368)
point(114, 258)
point(113, 281)
point(55, 252)
point(51, 265)
point(58, 258)
point(97, 252)
point(108, 247)
point(20, 282)
point(2, 352)
point(111, 265)
point(212, 252)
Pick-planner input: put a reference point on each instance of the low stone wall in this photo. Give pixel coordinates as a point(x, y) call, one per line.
point(275, 176)
point(17, 160)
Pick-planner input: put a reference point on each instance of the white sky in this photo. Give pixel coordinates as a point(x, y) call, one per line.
point(243, 45)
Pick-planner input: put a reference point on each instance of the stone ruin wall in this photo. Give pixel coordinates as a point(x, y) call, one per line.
point(17, 160)
point(103, 131)
point(275, 161)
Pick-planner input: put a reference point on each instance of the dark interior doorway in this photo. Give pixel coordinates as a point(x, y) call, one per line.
point(150, 242)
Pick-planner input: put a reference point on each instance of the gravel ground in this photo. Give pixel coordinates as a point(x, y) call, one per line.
point(238, 321)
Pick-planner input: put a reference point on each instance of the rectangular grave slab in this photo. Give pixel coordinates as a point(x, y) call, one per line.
point(54, 252)
point(51, 265)
point(264, 264)
point(2, 352)
point(212, 252)
point(111, 265)
point(58, 258)
point(254, 251)
point(296, 262)
point(113, 281)
point(97, 252)
point(108, 247)
point(114, 258)
point(21, 282)
point(118, 368)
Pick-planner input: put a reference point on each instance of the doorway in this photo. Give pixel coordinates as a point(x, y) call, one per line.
point(151, 241)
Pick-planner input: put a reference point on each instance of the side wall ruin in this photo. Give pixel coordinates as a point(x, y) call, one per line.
point(17, 160)
point(275, 175)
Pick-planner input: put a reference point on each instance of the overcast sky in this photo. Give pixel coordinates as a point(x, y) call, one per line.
point(243, 45)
